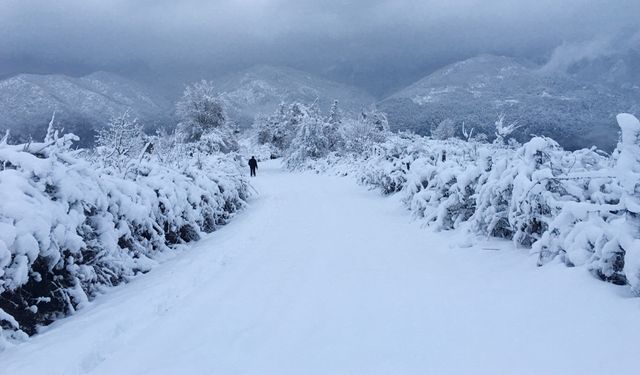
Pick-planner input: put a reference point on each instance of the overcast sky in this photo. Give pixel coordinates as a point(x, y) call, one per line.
point(376, 44)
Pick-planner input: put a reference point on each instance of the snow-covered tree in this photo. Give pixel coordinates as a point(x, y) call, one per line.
point(169, 151)
point(333, 135)
point(295, 116)
point(119, 143)
point(200, 110)
point(331, 128)
point(467, 133)
point(376, 119)
point(309, 143)
point(335, 114)
point(269, 129)
point(628, 158)
point(283, 126)
point(203, 119)
point(446, 129)
point(263, 129)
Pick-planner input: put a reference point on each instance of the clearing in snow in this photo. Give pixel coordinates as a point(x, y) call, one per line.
point(320, 276)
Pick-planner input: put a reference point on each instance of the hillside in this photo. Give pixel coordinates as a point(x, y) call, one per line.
point(563, 105)
point(81, 104)
point(261, 89)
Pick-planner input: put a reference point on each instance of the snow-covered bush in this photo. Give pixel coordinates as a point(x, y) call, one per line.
point(385, 165)
point(362, 133)
point(512, 199)
point(581, 207)
point(68, 229)
point(440, 191)
point(601, 227)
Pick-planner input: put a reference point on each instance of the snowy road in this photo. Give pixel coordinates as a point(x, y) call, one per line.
point(320, 276)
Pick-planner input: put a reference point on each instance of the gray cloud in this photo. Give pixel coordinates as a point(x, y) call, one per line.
point(567, 54)
point(377, 44)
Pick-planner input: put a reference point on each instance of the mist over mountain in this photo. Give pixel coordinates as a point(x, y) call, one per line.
point(574, 103)
point(576, 58)
point(378, 45)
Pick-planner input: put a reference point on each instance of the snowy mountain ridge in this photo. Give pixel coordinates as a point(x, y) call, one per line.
point(563, 105)
point(81, 104)
point(262, 88)
point(86, 103)
point(576, 106)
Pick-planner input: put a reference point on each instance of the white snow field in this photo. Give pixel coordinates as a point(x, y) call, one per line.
point(320, 276)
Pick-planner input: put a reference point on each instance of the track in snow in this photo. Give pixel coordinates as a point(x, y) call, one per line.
point(320, 276)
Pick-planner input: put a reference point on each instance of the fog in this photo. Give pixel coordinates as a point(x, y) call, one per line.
point(379, 45)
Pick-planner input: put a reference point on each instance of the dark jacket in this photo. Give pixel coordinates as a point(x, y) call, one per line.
point(253, 163)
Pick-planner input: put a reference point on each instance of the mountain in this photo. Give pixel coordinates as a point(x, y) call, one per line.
point(84, 104)
point(575, 111)
point(81, 104)
point(619, 70)
point(261, 89)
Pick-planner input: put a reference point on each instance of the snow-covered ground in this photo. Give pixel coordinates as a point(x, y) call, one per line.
point(320, 276)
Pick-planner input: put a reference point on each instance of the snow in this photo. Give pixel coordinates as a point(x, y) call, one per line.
point(320, 276)
point(562, 204)
point(72, 228)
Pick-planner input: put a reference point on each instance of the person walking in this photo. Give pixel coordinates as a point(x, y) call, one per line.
point(253, 165)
